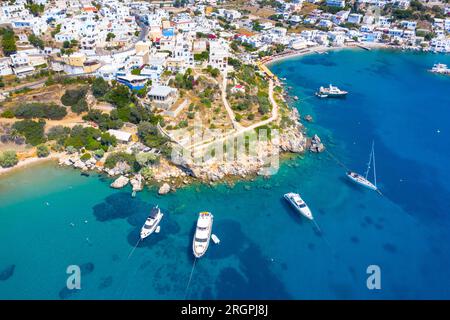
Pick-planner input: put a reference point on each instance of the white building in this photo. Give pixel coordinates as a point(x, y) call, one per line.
point(218, 54)
point(336, 3)
point(355, 18)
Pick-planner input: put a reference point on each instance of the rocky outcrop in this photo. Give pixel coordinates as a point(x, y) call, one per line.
point(308, 118)
point(292, 141)
point(137, 182)
point(164, 189)
point(120, 182)
point(316, 144)
point(292, 138)
point(121, 168)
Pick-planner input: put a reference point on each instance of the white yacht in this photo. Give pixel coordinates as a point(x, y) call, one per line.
point(440, 68)
point(330, 92)
point(297, 202)
point(151, 223)
point(202, 234)
point(359, 179)
point(363, 180)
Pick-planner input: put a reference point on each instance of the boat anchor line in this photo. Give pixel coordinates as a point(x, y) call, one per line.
point(134, 248)
point(190, 278)
point(340, 163)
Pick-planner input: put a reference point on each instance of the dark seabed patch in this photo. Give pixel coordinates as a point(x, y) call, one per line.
point(259, 282)
point(7, 272)
point(368, 220)
point(232, 239)
point(87, 268)
point(314, 60)
point(66, 293)
point(120, 206)
point(389, 247)
point(354, 239)
point(105, 282)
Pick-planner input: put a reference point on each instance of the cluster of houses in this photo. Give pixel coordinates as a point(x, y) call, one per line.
point(136, 41)
point(343, 26)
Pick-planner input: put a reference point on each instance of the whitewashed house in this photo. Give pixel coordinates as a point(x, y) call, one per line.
point(218, 54)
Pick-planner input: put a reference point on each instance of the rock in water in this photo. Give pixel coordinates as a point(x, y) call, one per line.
point(120, 182)
point(308, 118)
point(137, 183)
point(316, 144)
point(7, 272)
point(165, 188)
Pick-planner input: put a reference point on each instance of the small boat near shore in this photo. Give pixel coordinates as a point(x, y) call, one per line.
point(440, 68)
point(331, 92)
point(299, 205)
point(202, 234)
point(152, 222)
point(215, 239)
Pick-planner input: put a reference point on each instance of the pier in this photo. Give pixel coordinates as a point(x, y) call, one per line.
point(363, 47)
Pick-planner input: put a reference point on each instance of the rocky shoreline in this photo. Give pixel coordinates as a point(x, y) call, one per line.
point(169, 176)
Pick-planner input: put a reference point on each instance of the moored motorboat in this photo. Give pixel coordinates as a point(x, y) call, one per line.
point(297, 202)
point(151, 223)
point(331, 92)
point(440, 68)
point(202, 234)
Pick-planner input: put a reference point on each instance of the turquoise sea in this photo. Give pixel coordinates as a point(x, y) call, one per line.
point(53, 217)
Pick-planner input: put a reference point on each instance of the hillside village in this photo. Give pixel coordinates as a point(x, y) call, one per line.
point(117, 86)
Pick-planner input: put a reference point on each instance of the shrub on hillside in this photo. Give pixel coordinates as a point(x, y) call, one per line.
point(8, 159)
point(42, 151)
point(71, 97)
point(40, 110)
point(33, 131)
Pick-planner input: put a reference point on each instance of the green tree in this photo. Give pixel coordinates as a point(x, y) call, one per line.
point(8, 159)
point(36, 41)
point(58, 133)
point(8, 41)
point(136, 71)
point(33, 131)
point(40, 110)
point(85, 157)
point(35, 9)
point(110, 36)
point(72, 96)
point(42, 151)
point(80, 106)
point(100, 87)
point(99, 153)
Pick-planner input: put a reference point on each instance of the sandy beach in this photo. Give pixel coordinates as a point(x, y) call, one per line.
point(29, 162)
point(321, 49)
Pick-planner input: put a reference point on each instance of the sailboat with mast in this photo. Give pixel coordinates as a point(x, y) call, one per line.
point(363, 180)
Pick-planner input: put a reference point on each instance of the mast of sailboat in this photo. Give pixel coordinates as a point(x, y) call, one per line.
point(374, 168)
point(369, 163)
